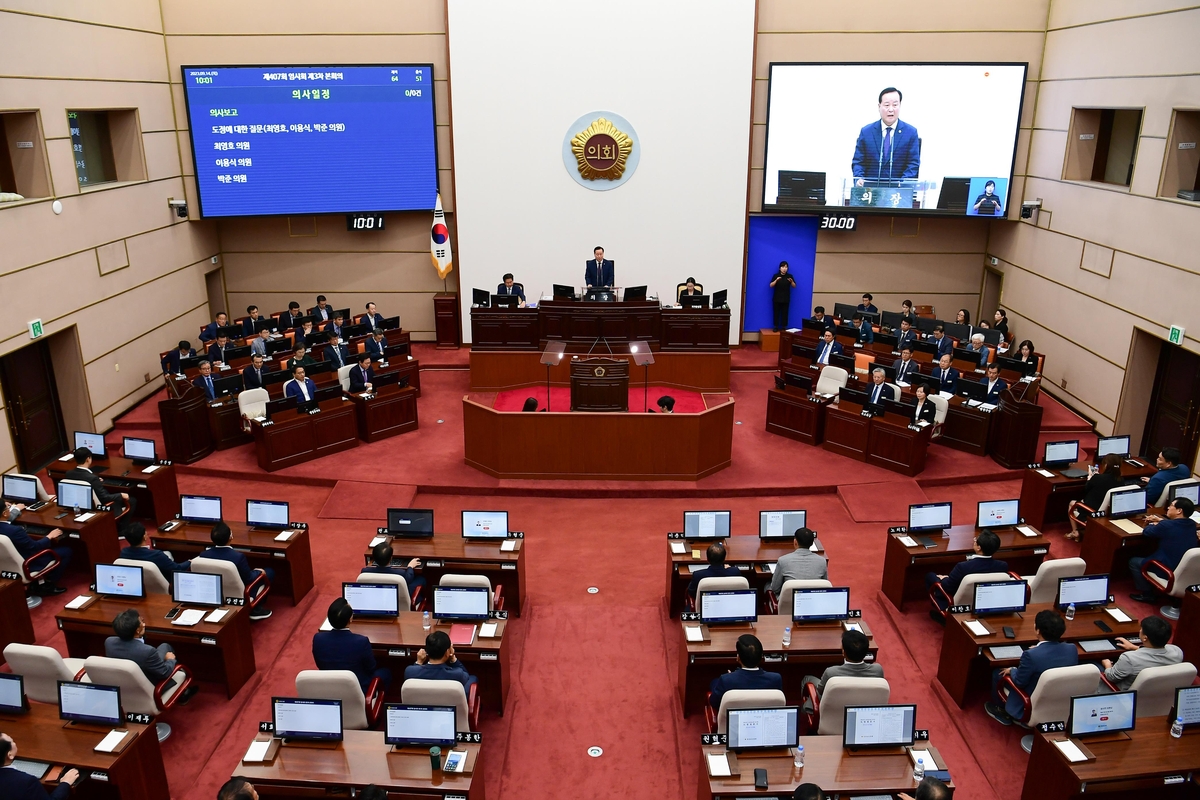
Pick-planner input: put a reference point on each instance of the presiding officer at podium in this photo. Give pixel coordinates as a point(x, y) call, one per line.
point(508, 287)
point(599, 271)
point(887, 150)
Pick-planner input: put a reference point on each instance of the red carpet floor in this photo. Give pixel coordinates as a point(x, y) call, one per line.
point(639, 398)
point(881, 502)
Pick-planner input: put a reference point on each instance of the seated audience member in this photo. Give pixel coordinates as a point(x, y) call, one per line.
point(820, 316)
point(747, 675)
point(300, 358)
point(221, 537)
point(689, 288)
point(237, 789)
point(336, 352)
point(509, 287)
point(828, 347)
point(808, 791)
point(170, 362)
point(204, 381)
point(802, 564)
point(258, 344)
point(18, 785)
point(250, 321)
point(983, 323)
point(252, 373)
point(156, 663)
point(361, 375)
point(1170, 468)
point(716, 568)
point(341, 648)
point(866, 334)
point(372, 317)
point(1048, 653)
point(293, 317)
point(945, 345)
point(977, 346)
point(1025, 353)
point(40, 550)
point(905, 366)
point(438, 662)
point(1001, 323)
point(216, 350)
point(376, 345)
point(82, 471)
point(210, 330)
point(907, 312)
point(925, 410)
point(531, 404)
point(381, 563)
point(995, 384)
point(1154, 652)
point(947, 375)
point(138, 550)
point(880, 391)
point(963, 317)
point(666, 404)
point(930, 788)
point(906, 335)
point(305, 330)
point(300, 387)
point(1100, 480)
point(321, 311)
point(1175, 535)
point(335, 325)
point(855, 647)
point(867, 305)
point(986, 545)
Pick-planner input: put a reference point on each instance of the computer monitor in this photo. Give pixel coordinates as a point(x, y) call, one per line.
point(1127, 503)
point(227, 384)
point(705, 524)
point(460, 602)
point(999, 597)
point(485, 524)
point(197, 589)
point(74, 495)
point(844, 311)
point(268, 514)
point(302, 718)
point(1187, 706)
point(481, 297)
point(505, 301)
point(998, 513)
point(763, 728)
point(972, 390)
point(1112, 445)
point(810, 605)
point(635, 294)
point(139, 450)
point(780, 524)
point(693, 300)
point(929, 516)
point(90, 702)
point(720, 299)
point(12, 694)
point(94, 442)
point(1060, 453)
point(410, 522)
point(418, 726)
point(118, 580)
point(562, 292)
point(879, 726)
point(20, 489)
point(1102, 713)
point(738, 605)
point(373, 599)
point(199, 508)
point(1083, 590)
point(1190, 490)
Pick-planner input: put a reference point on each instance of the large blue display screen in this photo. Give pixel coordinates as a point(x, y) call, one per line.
point(312, 139)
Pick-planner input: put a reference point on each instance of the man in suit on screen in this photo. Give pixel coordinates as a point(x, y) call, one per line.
point(888, 149)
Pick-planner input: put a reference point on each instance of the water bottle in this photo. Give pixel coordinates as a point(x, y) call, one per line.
point(1071, 611)
point(787, 636)
point(426, 624)
point(799, 757)
point(1177, 727)
point(919, 770)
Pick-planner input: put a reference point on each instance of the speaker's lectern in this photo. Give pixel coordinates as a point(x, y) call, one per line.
point(599, 384)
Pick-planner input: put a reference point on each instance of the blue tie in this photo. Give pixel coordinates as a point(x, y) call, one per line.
point(875, 395)
point(887, 149)
point(211, 392)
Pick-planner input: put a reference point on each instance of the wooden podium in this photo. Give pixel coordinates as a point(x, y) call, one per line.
point(599, 384)
point(185, 426)
point(1013, 438)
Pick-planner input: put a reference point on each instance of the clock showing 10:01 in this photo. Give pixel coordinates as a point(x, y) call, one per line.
point(364, 222)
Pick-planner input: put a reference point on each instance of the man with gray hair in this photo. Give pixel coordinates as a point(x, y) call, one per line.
point(977, 346)
point(880, 391)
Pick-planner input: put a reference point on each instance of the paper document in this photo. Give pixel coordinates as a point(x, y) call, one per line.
point(152, 468)
point(1119, 615)
point(718, 765)
point(217, 615)
point(976, 627)
point(326, 625)
point(908, 541)
point(508, 546)
point(922, 423)
point(284, 536)
point(947, 395)
point(813, 548)
point(793, 330)
point(852, 626)
point(1127, 525)
point(84, 517)
point(1027, 531)
point(78, 601)
point(67, 457)
point(110, 742)
point(189, 617)
point(771, 568)
point(974, 403)
point(1097, 645)
point(257, 751)
point(693, 633)
point(925, 755)
point(678, 548)
point(1068, 749)
point(487, 630)
point(1006, 651)
point(902, 384)
point(1045, 473)
point(377, 540)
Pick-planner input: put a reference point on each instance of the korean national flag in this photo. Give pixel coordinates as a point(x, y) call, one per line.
point(439, 242)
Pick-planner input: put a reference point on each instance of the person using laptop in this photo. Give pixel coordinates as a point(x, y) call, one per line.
point(866, 334)
point(321, 311)
point(221, 537)
point(18, 785)
point(258, 345)
point(220, 320)
point(945, 345)
point(879, 390)
point(376, 345)
point(300, 387)
point(381, 564)
point(1100, 480)
point(437, 662)
point(170, 362)
point(809, 791)
point(336, 352)
point(82, 471)
point(689, 289)
point(135, 535)
point(907, 312)
point(39, 551)
point(252, 374)
point(855, 646)
point(1154, 652)
point(1176, 535)
point(747, 675)
point(216, 350)
point(978, 347)
point(372, 317)
point(335, 325)
point(963, 317)
point(250, 321)
point(1048, 653)
point(341, 648)
point(930, 788)
point(716, 568)
point(802, 564)
point(947, 376)
point(827, 348)
point(204, 381)
point(1170, 468)
point(300, 356)
point(867, 304)
point(986, 545)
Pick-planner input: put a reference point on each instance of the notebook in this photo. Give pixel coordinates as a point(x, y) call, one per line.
point(462, 634)
point(1006, 651)
point(1097, 645)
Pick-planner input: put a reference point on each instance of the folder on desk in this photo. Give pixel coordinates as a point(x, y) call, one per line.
point(508, 546)
point(1006, 651)
point(110, 742)
point(678, 548)
point(462, 634)
point(1097, 645)
point(1127, 525)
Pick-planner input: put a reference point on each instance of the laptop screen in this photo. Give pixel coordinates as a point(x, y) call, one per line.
point(460, 602)
point(19, 489)
point(267, 513)
point(814, 604)
point(423, 726)
point(780, 524)
point(1103, 713)
point(929, 516)
point(879, 726)
point(118, 580)
point(197, 588)
point(485, 524)
point(740, 605)
point(199, 508)
point(373, 599)
point(302, 718)
point(762, 728)
point(998, 513)
point(705, 524)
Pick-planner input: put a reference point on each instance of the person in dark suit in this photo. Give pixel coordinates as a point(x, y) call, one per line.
point(995, 384)
point(925, 410)
point(867, 305)
point(300, 387)
point(82, 471)
point(321, 311)
point(204, 381)
point(508, 287)
point(252, 375)
point(781, 284)
point(828, 348)
point(855, 647)
point(826, 320)
point(250, 321)
point(945, 345)
point(906, 312)
point(716, 568)
point(1026, 353)
point(747, 675)
point(905, 334)
point(335, 325)
point(906, 366)
point(866, 334)
point(1175, 535)
point(1048, 653)
point(28, 548)
point(1100, 480)
point(986, 545)
point(216, 350)
point(293, 317)
point(599, 271)
point(156, 663)
point(376, 345)
point(300, 358)
point(372, 317)
point(135, 535)
point(170, 362)
point(437, 662)
point(336, 352)
point(381, 563)
point(210, 330)
point(689, 289)
point(1170, 468)
point(221, 537)
point(362, 375)
point(879, 390)
point(1001, 322)
point(17, 785)
point(946, 375)
point(887, 150)
point(342, 649)
point(977, 346)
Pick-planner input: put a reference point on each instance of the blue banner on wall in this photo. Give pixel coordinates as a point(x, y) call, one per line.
point(775, 239)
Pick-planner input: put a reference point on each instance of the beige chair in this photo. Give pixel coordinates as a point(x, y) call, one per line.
point(252, 403)
point(392, 579)
point(138, 694)
point(495, 596)
point(784, 601)
point(831, 380)
point(359, 711)
point(1051, 698)
point(718, 721)
point(730, 584)
point(941, 407)
point(42, 495)
point(152, 577)
point(11, 561)
point(1155, 687)
point(419, 691)
point(1177, 580)
point(1159, 502)
point(344, 376)
point(1043, 587)
point(42, 668)
point(829, 711)
point(232, 586)
point(965, 595)
point(896, 390)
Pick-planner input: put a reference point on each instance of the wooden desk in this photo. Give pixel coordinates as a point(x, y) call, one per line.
point(396, 645)
point(360, 760)
point(292, 438)
point(967, 664)
point(847, 431)
point(135, 773)
point(904, 568)
point(157, 494)
point(585, 322)
point(815, 646)
point(451, 554)
point(291, 560)
point(826, 763)
point(390, 412)
point(15, 623)
point(884, 441)
point(695, 329)
point(1187, 629)
point(184, 416)
point(1044, 500)
point(794, 413)
point(213, 651)
point(505, 329)
point(97, 537)
point(1124, 767)
point(500, 370)
point(966, 428)
point(750, 554)
point(1107, 549)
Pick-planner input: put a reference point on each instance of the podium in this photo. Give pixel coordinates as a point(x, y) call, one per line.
point(599, 384)
point(1013, 438)
point(184, 417)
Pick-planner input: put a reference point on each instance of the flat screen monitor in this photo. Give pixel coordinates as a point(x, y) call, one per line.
point(720, 299)
point(418, 726)
point(1127, 503)
point(738, 605)
point(635, 294)
point(460, 602)
point(780, 524)
point(138, 449)
point(373, 599)
point(1061, 453)
point(485, 524)
point(94, 442)
point(1190, 490)
point(763, 728)
point(809, 605)
point(227, 384)
point(306, 719)
point(410, 521)
point(505, 301)
point(705, 524)
point(119, 580)
point(1112, 445)
point(312, 139)
point(693, 300)
point(879, 726)
point(999, 597)
point(20, 489)
point(481, 297)
point(929, 516)
point(1102, 713)
point(267, 513)
point(12, 694)
point(90, 702)
point(1187, 706)
point(74, 495)
point(1083, 590)
point(197, 589)
point(563, 292)
point(199, 508)
point(998, 513)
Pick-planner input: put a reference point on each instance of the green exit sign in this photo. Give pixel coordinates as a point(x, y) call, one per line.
point(1176, 336)
point(35, 329)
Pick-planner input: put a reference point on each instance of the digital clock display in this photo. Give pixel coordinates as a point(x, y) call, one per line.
point(364, 222)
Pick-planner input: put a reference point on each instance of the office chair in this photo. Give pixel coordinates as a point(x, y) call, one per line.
point(941, 406)
point(965, 595)
point(360, 711)
point(732, 583)
point(863, 362)
point(1177, 580)
point(1051, 698)
point(414, 603)
point(42, 668)
point(152, 577)
point(344, 376)
point(252, 404)
point(424, 692)
point(1159, 502)
point(831, 380)
point(138, 694)
point(232, 586)
point(11, 561)
point(718, 721)
point(1155, 687)
point(786, 591)
point(828, 715)
point(1043, 586)
point(679, 290)
point(495, 596)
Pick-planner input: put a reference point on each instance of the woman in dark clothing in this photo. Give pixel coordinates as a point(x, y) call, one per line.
point(1108, 476)
point(782, 283)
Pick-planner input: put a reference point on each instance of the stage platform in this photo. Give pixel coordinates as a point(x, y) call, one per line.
point(497, 370)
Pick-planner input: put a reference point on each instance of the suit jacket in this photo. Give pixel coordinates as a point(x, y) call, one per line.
point(971, 566)
point(908, 337)
point(862, 669)
point(1126, 668)
point(1035, 661)
point(293, 390)
point(341, 649)
point(866, 334)
point(926, 411)
point(248, 324)
point(217, 353)
point(869, 308)
point(886, 392)
point(835, 349)
point(322, 315)
point(153, 665)
point(288, 320)
point(439, 672)
point(912, 369)
point(945, 346)
point(1160, 479)
point(516, 289)
point(994, 395)
point(905, 162)
point(726, 571)
point(16, 785)
point(829, 322)
point(26, 547)
point(94, 480)
point(375, 321)
point(1175, 537)
point(947, 382)
point(252, 379)
point(158, 558)
point(234, 557)
point(742, 678)
point(603, 276)
point(359, 378)
point(203, 384)
point(170, 362)
point(799, 565)
point(338, 355)
point(209, 334)
point(375, 349)
point(330, 327)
